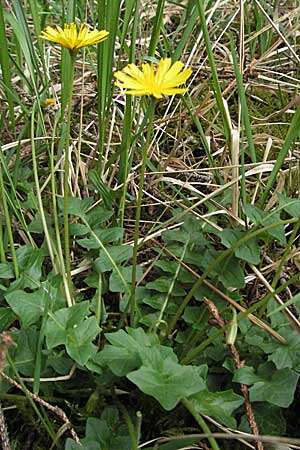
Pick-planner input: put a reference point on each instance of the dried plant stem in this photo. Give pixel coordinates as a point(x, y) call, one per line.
point(238, 363)
point(4, 440)
point(55, 409)
point(5, 343)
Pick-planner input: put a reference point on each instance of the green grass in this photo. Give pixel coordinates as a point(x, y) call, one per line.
point(148, 247)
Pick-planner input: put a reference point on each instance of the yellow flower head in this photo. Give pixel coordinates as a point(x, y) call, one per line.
point(163, 81)
point(71, 38)
point(49, 102)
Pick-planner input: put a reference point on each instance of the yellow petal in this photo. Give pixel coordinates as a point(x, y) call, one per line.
point(72, 39)
point(148, 82)
point(163, 67)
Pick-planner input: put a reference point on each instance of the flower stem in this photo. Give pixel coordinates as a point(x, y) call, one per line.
point(145, 146)
point(8, 227)
point(56, 221)
point(66, 175)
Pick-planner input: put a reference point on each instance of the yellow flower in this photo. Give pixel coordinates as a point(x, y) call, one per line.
point(49, 102)
point(71, 38)
point(163, 81)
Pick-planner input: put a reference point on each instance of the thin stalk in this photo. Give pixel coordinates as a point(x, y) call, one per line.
point(124, 156)
point(2, 250)
point(104, 249)
point(244, 106)
point(285, 255)
point(55, 216)
point(8, 227)
point(108, 18)
point(172, 284)
point(216, 84)
point(39, 348)
point(130, 427)
point(66, 176)
point(292, 134)
point(125, 145)
point(99, 301)
point(138, 426)
point(145, 146)
point(38, 193)
point(201, 422)
point(156, 27)
point(190, 107)
point(6, 74)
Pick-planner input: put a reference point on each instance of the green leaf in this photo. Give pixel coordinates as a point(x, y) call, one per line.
point(94, 364)
point(106, 193)
point(290, 205)
point(124, 354)
point(287, 355)
point(246, 375)
point(231, 273)
point(278, 390)
point(80, 353)
point(63, 319)
point(28, 307)
point(166, 380)
point(56, 328)
point(118, 253)
point(269, 419)
point(6, 271)
point(60, 362)
point(78, 342)
point(106, 236)
point(107, 432)
point(78, 229)
point(116, 284)
point(295, 299)
point(276, 232)
point(25, 355)
point(255, 214)
point(6, 317)
point(260, 217)
point(36, 225)
point(249, 251)
point(163, 284)
point(30, 264)
point(219, 405)
point(78, 206)
point(98, 215)
point(72, 445)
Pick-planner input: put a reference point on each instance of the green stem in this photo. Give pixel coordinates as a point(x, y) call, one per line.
point(39, 347)
point(130, 426)
point(38, 192)
point(201, 422)
point(124, 156)
point(66, 176)
point(8, 227)
point(214, 73)
point(145, 146)
point(285, 255)
point(292, 134)
point(2, 251)
point(56, 221)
